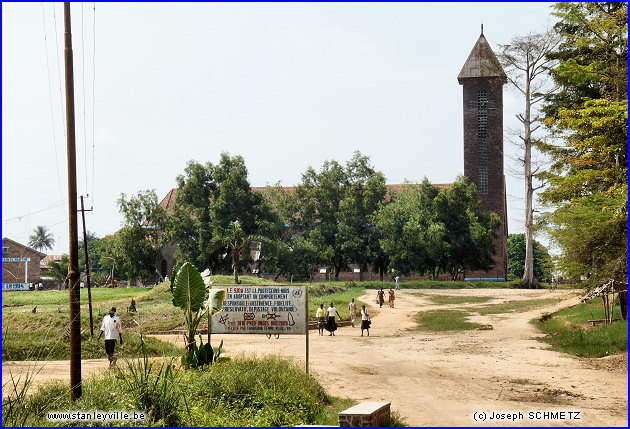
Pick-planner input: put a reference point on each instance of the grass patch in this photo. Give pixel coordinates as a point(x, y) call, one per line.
point(242, 392)
point(569, 331)
point(515, 306)
point(450, 299)
point(447, 320)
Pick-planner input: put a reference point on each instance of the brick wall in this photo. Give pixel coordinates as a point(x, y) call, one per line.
point(13, 272)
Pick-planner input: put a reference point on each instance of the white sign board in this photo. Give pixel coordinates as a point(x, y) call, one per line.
point(16, 259)
point(6, 287)
point(262, 310)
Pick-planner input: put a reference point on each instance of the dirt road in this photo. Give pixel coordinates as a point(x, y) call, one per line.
point(446, 379)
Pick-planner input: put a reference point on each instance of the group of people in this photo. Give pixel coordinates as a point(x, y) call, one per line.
point(326, 318)
point(380, 297)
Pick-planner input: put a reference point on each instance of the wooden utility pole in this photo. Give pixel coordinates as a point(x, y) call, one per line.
point(87, 267)
point(73, 267)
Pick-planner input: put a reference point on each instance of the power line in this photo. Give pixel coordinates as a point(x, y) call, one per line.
point(52, 115)
point(58, 203)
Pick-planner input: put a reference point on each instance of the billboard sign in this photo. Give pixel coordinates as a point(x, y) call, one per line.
point(262, 310)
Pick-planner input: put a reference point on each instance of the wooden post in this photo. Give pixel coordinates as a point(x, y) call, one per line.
point(307, 318)
point(87, 269)
point(73, 266)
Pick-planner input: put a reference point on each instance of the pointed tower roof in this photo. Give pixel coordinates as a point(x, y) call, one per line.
point(481, 62)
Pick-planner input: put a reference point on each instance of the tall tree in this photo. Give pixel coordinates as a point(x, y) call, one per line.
point(41, 238)
point(210, 197)
point(335, 208)
point(589, 116)
point(526, 62)
point(425, 229)
point(138, 244)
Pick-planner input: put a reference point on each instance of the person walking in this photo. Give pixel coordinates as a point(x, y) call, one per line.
point(321, 319)
point(112, 328)
point(381, 297)
point(352, 307)
point(397, 278)
point(365, 320)
point(331, 325)
point(391, 297)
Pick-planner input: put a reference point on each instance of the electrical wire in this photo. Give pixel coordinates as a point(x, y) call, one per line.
point(52, 206)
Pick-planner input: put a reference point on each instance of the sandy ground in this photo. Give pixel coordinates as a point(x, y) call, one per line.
point(442, 379)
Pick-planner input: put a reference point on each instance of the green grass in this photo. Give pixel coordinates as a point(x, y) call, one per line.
point(515, 306)
point(449, 299)
point(569, 331)
point(241, 392)
point(60, 297)
point(447, 320)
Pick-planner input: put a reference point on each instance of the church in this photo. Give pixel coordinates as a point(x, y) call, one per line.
point(482, 79)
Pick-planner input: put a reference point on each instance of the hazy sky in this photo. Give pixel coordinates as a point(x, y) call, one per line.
point(286, 86)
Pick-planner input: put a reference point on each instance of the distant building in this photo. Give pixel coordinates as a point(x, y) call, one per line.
point(482, 78)
point(20, 265)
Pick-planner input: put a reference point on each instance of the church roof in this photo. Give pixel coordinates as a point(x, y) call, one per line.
point(481, 62)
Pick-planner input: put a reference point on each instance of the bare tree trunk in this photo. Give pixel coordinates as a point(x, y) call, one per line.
point(528, 275)
point(235, 259)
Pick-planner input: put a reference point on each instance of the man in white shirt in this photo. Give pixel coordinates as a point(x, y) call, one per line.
point(112, 328)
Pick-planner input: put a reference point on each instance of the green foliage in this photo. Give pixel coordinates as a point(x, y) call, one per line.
point(209, 197)
point(137, 246)
point(41, 239)
point(191, 293)
point(155, 393)
point(569, 331)
point(58, 271)
point(333, 210)
point(294, 259)
point(426, 229)
point(201, 355)
point(543, 265)
point(588, 177)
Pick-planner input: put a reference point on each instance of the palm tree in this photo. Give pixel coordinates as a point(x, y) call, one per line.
point(58, 271)
point(41, 238)
point(237, 240)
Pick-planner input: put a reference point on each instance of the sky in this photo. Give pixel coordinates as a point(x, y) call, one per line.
point(285, 85)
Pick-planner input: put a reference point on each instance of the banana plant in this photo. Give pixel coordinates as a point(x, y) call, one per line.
point(192, 293)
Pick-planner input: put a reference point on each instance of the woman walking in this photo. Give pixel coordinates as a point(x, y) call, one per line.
point(391, 297)
point(365, 320)
point(331, 325)
point(321, 319)
point(353, 311)
point(380, 296)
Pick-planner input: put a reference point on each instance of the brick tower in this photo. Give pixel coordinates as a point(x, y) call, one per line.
point(483, 78)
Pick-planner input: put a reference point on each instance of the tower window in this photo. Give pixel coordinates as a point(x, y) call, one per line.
point(482, 142)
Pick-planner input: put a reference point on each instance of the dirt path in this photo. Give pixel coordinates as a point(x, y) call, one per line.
point(443, 379)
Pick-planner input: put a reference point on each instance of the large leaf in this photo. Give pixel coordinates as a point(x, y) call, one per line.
point(189, 290)
point(215, 300)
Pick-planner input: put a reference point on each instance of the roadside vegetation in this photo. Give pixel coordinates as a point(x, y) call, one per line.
point(241, 392)
point(569, 331)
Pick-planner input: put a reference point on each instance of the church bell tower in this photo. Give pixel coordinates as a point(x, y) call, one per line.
point(482, 78)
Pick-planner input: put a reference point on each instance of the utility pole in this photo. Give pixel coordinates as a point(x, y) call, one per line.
point(87, 267)
point(73, 267)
